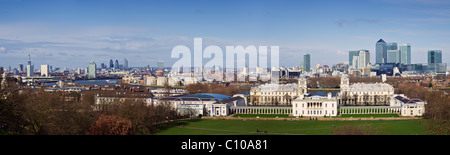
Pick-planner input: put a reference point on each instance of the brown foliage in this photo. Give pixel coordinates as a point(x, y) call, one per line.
point(326, 82)
point(111, 125)
point(212, 88)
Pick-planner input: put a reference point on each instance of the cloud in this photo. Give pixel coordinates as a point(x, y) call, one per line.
point(2, 49)
point(341, 22)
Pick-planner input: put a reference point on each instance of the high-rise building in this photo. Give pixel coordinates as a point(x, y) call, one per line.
point(405, 53)
point(381, 52)
point(21, 67)
point(364, 58)
point(307, 62)
point(359, 59)
point(30, 67)
point(350, 56)
point(160, 64)
point(434, 56)
point(393, 56)
point(116, 65)
point(91, 70)
point(391, 46)
point(111, 64)
point(125, 64)
point(45, 70)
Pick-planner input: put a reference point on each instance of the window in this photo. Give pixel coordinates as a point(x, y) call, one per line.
point(332, 112)
point(303, 105)
point(296, 112)
point(332, 105)
point(325, 105)
point(296, 106)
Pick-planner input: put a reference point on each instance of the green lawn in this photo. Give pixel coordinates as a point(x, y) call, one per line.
point(247, 127)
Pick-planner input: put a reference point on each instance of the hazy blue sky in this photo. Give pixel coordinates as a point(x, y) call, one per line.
point(70, 33)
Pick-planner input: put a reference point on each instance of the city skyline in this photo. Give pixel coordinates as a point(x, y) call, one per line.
point(72, 33)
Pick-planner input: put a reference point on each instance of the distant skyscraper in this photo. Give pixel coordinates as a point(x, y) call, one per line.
point(381, 52)
point(350, 56)
point(307, 62)
point(45, 70)
point(111, 64)
point(160, 64)
point(391, 46)
point(405, 53)
point(30, 67)
point(359, 59)
point(116, 65)
point(393, 56)
point(21, 67)
point(364, 58)
point(125, 64)
point(91, 70)
point(434, 56)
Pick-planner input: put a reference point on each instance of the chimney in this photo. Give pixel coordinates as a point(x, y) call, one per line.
point(329, 95)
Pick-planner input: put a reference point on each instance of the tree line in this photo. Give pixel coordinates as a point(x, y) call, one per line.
point(37, 112)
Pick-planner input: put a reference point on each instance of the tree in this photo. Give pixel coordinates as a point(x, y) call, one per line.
point(111, 125)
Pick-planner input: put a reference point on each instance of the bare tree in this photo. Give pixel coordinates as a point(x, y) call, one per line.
point(111, 125)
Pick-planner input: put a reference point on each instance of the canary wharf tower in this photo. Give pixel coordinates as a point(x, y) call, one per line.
point(381, 52)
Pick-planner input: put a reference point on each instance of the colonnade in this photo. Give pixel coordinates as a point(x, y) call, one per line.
point(261, 110)
point(341, 109)
point(369, 110)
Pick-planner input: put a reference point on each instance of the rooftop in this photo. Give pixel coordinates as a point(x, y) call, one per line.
point(407, 101)
point(196, 97)
point(370, 87)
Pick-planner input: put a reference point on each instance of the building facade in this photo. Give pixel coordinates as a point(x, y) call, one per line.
point(44, 70)
point(315, 106)
point(405, 53)
point(374, 94)
point(381, 52)
point(215, 104)
point(92, 74)
point(393, 56)
point(409, 107)
point(307, 63)
point(434, 56)
point(277, 94)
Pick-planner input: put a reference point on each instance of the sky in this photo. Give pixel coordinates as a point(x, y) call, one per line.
point(70, 33)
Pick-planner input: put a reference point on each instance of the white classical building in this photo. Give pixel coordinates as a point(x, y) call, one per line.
point(315, 106)
point(409, 107)
point(365, 93)
point(277, 94)
point(215, 104)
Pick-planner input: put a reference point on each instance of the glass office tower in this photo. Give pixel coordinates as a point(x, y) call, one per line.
point(307, 62)
point(405, 53)
point(91, 70)
point(381, 52)
point(434, 56)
